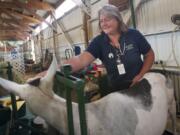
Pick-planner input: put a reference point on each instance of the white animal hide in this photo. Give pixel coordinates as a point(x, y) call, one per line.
point(114, 114)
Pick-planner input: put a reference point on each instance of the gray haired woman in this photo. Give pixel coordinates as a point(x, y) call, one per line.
point(119, 48)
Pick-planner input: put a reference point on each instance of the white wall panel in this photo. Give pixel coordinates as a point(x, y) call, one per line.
point(77, 35)
point(154, 16)
point(162, 46)
point(72, 19)
point(95, 28)
point(96, 7)
point(47, 33)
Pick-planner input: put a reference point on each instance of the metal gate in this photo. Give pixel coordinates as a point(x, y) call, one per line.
point(174, 74)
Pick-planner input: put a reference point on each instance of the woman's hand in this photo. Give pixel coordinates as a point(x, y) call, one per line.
point(148, 62)
point(136, 79)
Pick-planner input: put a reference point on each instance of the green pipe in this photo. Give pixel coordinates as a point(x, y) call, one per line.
point(69, 112)
point(66, 69)
point(133, 14)
point(71, 82)
point(81, 105)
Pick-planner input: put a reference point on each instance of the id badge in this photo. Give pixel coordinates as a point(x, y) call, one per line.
point(121, 69)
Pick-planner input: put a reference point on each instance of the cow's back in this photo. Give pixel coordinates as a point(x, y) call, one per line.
point(153, 121)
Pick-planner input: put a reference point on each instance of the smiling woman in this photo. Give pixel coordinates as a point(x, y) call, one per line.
point(109, 17)
point(120, 50)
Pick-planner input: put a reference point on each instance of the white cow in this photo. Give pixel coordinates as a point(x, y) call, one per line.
point(141, 110)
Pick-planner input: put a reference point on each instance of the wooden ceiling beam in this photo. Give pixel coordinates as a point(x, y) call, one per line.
point(16, 5)
point(35, 4)
point(6, 33)
point(17, 25)
point(7, 38)
point(11, 37)
point(32, 5)
point(121, 4)
point(14, 28)
point(15, 21)
point(19, 5)
point(22, 33)
point(23, 27)
point(40, 5)
point(7, 29)
point(12, 13)
point(8, 5)
point(18, 35)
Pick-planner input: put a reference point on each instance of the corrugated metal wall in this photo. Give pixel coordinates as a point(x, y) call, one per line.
point(72, 22)
point(153, 20)
point(163, 47)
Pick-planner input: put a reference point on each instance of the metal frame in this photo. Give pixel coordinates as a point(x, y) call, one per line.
point(71, 82)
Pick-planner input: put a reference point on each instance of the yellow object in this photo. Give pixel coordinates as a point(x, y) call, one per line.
point(6, 102)
point(19, 105)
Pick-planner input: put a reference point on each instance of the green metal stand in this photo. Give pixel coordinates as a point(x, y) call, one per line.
point(17, 122)
point(13, 97)
point(71, 82)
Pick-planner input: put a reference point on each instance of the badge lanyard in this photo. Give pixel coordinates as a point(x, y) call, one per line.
point(122, 52)
point(119, 53)
point(120, 65)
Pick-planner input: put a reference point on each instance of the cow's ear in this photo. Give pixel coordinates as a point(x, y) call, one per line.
point(34, 82)
point(52, 70)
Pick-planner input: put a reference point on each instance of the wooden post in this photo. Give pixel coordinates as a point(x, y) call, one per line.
point(133, 14)
point(85, 28)
point(41, 38)
point(86, 21)
point(54, 43)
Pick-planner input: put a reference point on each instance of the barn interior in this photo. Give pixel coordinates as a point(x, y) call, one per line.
point(32, 31)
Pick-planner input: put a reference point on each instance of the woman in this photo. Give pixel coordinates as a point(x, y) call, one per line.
point(120, 50)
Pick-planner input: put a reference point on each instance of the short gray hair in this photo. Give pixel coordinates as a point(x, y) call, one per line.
point(113, 11)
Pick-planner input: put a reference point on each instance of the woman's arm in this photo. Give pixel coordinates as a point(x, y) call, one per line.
point(148, 62)
point(80, 61)
point(77, 62)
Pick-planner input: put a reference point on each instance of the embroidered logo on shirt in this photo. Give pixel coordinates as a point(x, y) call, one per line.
point(129, 47)
point(110, 55)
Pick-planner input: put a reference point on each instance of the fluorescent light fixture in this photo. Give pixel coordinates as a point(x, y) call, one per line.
point(66, 6)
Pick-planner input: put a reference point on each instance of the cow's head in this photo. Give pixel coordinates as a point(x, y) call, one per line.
point(45, 83)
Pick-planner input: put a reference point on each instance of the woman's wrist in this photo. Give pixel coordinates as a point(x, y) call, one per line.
point(141, 75)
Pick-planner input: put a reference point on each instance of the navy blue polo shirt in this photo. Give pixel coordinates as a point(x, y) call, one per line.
point(135, 45)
